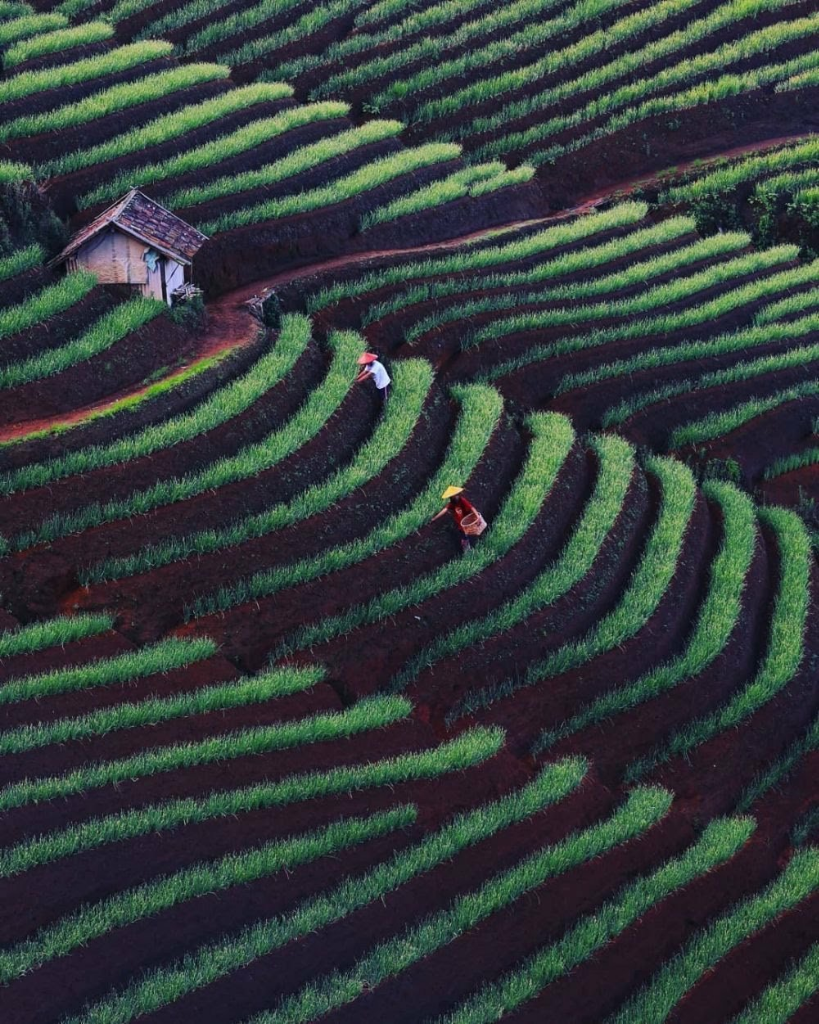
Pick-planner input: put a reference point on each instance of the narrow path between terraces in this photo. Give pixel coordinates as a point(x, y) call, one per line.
point(231, 324)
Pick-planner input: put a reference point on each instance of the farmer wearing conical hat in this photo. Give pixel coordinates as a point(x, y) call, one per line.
point(467, 518)
point(373, 368)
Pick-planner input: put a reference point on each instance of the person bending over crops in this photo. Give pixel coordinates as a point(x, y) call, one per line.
point(373, 368)
point(467, 518)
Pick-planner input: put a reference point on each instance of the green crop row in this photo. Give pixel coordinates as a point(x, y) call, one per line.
point(321, 404)
point(467, 749)
point(775, 773)
point(221, 29)
point(164, 128)
point(553, 438)
point(714, 90)
point(788, 306)
point(467, 182)
point(36, 636)
point(12, 173)
point(643, 809)
point(19, 261)
point(193, 10)
point(161, 657)
point(110, 328)
point(638, 602)
point(720, 344)
point(55, 42)
point(372, 713)
point(679, 289)
point(716, 424)
point(788, 463)
point(412, 381)
point(779, 1002)
point(581, 260)
point(633, 96)
point(720, 840)
point(256, 689)
point(223, 148)
point(129, 402)
point(155, 896)
point(716, 620)
point(481, 408)
point(430, 18)
point(120, 59)
point(782, 659)
point(562, 60)
point(702, 953)
point(164, 985)
point(657, 325)
point(49, 301)
point(597, 79)
point(29, 25)
point(308, 24)
point(11, 9)
point(745, 370)
point(561, 234)
point(118, 12)
point(296, 162)
point(432, 49)
point(616, 467)
point(225, 403)
point(111, 100)
point(370, 176)
point(749, 168)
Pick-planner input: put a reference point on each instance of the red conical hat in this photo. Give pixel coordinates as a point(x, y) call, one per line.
point(368, 357)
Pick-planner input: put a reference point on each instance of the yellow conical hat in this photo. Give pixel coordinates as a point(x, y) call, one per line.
point(450, 492)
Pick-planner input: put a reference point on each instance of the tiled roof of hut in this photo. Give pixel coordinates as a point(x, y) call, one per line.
point(138, 215)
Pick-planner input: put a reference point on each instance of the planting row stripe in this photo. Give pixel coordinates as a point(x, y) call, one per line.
point(412, 382)
point(256, 689)
point(800, 356)
point(364, 179)
point(481, 408)
point(643, 809)
point(786, 647)
point(151, 898)
point(701, 954)
point(716, 621)
point(112, 327)
point(781, 999)
point(163, 986)
point(646, 588)
point(719, 344)
point(476, 259)
point(36, 636)
point(164, 128)
point(53, 299)
point(368, 714)
point(466, 750)
point(719, 843)
point(716, 424)
point(222, 405)
point(212, 153)
point(553, 439)
point(591, 256)
point(316, 411)
point(616, 468)
point(161, 657)
point(106, 101)
point(682, 288)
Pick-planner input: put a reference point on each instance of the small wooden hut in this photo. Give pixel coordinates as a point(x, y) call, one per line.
point(136, 242)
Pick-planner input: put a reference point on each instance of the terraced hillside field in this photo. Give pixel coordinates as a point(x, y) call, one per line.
point(274, 747)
